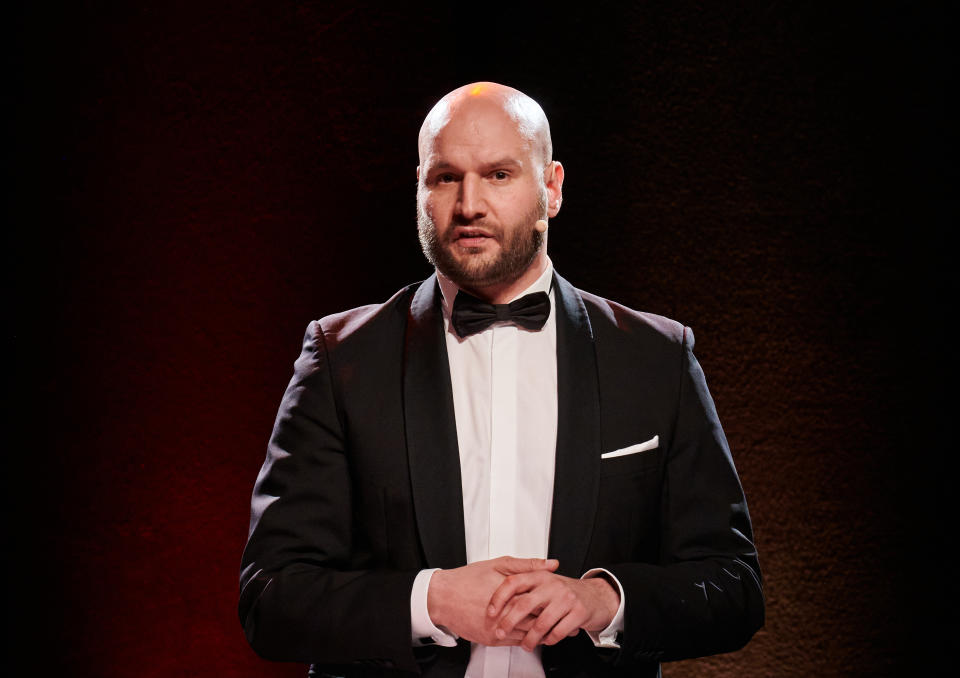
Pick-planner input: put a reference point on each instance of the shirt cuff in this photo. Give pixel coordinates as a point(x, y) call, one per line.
point(423, 630)
point(608, 637)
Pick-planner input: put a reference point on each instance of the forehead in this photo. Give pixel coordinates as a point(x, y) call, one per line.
point(478, 131)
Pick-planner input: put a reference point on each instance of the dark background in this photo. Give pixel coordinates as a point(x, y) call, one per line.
point(189, 183)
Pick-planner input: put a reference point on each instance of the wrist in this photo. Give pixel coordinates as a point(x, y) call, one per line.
point(608, 598)
point(436, 596)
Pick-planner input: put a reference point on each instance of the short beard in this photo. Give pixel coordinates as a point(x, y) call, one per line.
point(516, 255)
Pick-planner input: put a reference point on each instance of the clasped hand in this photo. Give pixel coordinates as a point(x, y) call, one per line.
point(518, 601)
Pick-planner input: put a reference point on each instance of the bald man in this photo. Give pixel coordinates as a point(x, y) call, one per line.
point(494, 474)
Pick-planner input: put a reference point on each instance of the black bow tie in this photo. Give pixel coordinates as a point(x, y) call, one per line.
point(471, 315)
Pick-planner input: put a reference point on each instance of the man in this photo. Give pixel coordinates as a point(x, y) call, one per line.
point(493, 473)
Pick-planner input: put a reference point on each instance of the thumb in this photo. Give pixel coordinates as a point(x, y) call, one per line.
point(511, 565)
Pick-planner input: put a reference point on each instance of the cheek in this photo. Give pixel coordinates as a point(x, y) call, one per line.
point(437, 209)
point(517, 206)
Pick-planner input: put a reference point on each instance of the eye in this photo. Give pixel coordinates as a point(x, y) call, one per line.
point(500, 175)
point(445, 178)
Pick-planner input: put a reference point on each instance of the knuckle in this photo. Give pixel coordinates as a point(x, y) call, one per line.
point(541, 626)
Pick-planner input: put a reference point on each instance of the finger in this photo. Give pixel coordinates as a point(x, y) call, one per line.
point(513, 617)
point(511, 565)
point(490, 637)
point(513, 585)
point(519, 632)
point(513, 638)
point(568, 625)
point(563, 607)
point(520, 608)
point(524, 625)
point(545, 623)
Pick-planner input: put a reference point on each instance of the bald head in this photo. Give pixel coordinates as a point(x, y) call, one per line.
point(489, 98)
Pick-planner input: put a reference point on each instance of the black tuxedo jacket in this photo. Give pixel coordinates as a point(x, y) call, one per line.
point(360, 490)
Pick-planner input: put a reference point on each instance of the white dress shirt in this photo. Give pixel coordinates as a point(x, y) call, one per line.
point(504, 383)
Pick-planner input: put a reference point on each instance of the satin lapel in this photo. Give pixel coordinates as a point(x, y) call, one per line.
point(576, 479)
point(432, 450)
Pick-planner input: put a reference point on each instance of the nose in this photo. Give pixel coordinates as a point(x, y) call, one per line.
point(471, 204)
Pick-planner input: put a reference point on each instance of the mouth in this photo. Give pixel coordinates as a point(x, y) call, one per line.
point(470, 236)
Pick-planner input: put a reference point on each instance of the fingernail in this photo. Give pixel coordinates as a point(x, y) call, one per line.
point(491, 610)
point(500, 633)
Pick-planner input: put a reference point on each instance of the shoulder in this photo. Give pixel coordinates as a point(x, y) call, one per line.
point(364, 323)
point(359, 339)
point(612, 321)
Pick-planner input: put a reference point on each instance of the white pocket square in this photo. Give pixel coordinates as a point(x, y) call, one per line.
point(651, 444)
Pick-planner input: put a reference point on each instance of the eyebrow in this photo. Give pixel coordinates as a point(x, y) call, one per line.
point(502, 162)
point(505, 162)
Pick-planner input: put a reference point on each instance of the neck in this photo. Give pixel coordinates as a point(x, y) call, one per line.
point(502, 293)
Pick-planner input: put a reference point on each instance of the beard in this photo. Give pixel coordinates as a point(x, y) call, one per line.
point(518, 250)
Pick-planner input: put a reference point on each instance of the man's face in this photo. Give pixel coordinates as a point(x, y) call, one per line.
point(480, 193)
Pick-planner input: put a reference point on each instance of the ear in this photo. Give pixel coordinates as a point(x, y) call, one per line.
point(418, 173)
point(553, 178)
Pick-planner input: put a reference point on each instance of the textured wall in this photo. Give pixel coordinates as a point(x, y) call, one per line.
point(192, 182)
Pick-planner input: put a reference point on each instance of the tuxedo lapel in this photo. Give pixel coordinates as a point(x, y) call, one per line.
point(578, 433)
point(432, 450)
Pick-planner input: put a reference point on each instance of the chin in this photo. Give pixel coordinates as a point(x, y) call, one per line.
point(471, 259)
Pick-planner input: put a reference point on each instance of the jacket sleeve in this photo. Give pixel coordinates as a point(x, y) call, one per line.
point(308, 592)
point(705, 595)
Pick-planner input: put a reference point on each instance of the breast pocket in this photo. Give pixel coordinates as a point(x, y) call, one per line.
point(628, 507)
point(632, 459)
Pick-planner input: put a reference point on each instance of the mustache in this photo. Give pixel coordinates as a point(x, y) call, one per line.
point(460, 220)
